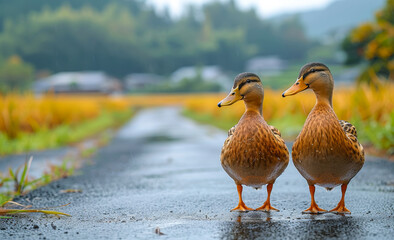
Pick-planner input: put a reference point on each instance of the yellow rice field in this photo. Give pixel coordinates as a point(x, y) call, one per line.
point(29, 114)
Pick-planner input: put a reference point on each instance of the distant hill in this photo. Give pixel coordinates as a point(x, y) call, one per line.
point(336, 19)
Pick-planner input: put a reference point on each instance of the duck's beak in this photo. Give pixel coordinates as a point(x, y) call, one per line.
point(232, 97)
point(297, 87)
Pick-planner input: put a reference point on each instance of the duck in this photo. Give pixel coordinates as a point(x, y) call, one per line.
point(254, 153)
point(327, 152)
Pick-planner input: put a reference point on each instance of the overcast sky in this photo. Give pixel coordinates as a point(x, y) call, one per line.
point(266, 8)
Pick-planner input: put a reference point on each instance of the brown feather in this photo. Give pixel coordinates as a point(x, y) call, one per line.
point(323, 152)
point(252, 155)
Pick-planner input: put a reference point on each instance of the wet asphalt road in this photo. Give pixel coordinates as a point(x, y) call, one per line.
point(163, 171)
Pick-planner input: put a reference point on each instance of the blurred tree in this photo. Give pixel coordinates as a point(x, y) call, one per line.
point(373, 43)
point(15, 75)
point(292, 42)
point(258, 37)
point(69, 40)
point(121, 37)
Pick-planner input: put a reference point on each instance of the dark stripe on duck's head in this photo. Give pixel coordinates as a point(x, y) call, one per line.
point(244, 77)
point(247, 81)
point(312, 67)
point(312, 71)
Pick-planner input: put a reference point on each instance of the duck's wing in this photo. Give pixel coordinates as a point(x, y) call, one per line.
point(231, 131)
point(275, 131)
point(349, 129)
point(351, 133)
point(277, 134)
point(230, 136)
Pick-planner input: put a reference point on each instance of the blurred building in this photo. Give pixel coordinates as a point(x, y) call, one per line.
point(266, 65)
point(138, 81)
point(206, 73)
point(78, 82)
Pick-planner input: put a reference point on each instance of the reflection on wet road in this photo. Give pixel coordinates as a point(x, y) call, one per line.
point(163, 171)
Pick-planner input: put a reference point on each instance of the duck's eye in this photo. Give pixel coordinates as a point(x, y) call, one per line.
point(248, 81)
point(313, 70)
point(233, 93)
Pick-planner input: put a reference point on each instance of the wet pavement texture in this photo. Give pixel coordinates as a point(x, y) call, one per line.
point(161, 178)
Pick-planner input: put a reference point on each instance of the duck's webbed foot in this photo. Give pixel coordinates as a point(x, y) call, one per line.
point(340, 208)
point(267, 204)
point(241, 208)
point(241, 205)
point(266, 207)
point(313, 209)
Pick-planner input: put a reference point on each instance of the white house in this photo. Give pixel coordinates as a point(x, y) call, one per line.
point(78, 82)
point(207, 73)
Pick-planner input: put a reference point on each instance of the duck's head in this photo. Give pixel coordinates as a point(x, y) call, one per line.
point(315, 76)
point(247, 87)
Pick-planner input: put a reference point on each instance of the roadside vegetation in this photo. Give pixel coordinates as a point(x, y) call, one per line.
point(30, 123)
point(372, 43)
point(17, 182)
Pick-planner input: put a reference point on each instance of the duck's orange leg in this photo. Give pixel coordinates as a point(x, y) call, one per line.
point(341, 205)
point(241, 205)
point(313, 209)
point(267, 204)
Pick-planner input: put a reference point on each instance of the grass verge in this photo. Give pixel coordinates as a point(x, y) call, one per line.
point(63, 134)
point(17, 182)
point(20, 181)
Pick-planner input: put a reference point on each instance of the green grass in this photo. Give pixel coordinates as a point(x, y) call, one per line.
point(380, 136)
point(61, 135)
point(16, 183)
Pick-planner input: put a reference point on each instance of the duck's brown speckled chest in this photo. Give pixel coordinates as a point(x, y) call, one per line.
point(252, 155)
point(323, 153)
